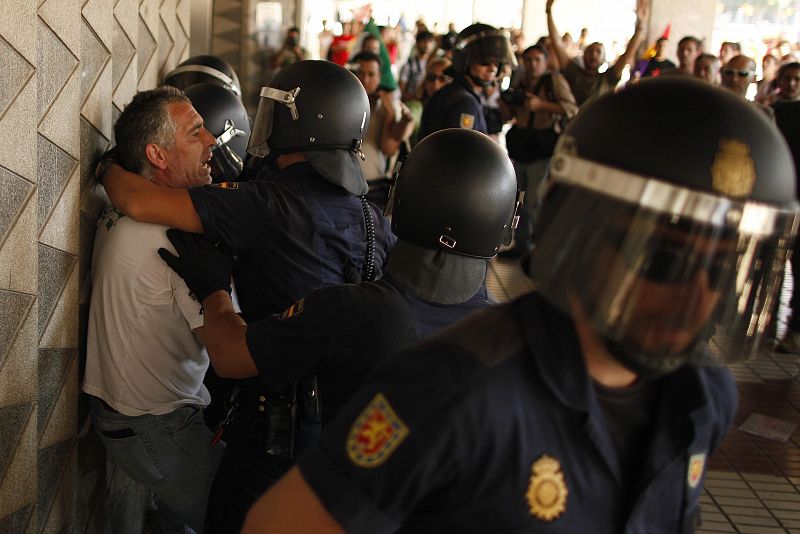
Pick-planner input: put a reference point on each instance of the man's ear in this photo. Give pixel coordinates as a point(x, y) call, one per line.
point(155, 155)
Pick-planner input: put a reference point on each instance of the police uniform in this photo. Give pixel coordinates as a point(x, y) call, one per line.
point(453, 106)
point(494, 426)
point(291, 234)
point(337, 334)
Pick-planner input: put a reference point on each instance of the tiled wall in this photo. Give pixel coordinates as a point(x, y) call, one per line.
point(67, 69)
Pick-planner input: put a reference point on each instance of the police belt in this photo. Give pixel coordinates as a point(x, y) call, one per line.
point(272, 418)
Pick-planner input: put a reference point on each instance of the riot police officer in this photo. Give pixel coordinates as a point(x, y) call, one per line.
point(304, 228)
point(479, 55)
point(336, 335)
point(593, 403)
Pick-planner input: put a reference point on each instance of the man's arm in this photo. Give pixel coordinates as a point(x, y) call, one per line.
point(393, 131)
point(642, 11)
point(144, 201)
point(290, 507)
point(555, 37)
point(223, 334)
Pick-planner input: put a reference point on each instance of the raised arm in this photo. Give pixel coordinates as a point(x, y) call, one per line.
point(290, 507)
point(642, 12)
point(394, 131)
point(555, 37)
point(144, 201)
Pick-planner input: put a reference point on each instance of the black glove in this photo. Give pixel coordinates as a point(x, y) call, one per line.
point(204, 267)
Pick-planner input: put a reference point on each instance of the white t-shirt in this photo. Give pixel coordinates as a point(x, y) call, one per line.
point(141, 355)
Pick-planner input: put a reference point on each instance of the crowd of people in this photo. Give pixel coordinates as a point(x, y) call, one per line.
point(328, 257)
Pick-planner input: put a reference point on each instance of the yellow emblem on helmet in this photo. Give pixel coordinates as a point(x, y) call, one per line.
point(733, 172)
point(547, 491)
point(467, 121)
point(375, 434)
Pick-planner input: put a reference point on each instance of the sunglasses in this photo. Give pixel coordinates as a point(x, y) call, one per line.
point(436, 78)
point(742, 73)
point(671, 263)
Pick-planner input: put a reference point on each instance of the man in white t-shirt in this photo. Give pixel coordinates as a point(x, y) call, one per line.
point(144, 365)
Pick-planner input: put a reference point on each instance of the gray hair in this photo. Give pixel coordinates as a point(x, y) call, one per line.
point(146, 120)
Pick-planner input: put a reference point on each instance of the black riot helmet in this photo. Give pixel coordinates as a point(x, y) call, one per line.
point(480, 43)
point(225, 117)
point(456, 192)
point(320, 109)
point(666, 222)
point(204, 69)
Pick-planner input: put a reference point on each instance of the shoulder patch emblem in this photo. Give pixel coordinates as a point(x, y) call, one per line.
point(227, 185)
point(376, 434)
point(467, 121)
point(291, 311)
point(697, 464)
point(547, 491)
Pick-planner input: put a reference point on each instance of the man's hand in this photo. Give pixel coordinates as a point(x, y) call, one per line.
point(203, 267)
point(548, 6)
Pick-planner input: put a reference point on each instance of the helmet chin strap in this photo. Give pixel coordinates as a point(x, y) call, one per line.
point(648, 367)
point(477, 81)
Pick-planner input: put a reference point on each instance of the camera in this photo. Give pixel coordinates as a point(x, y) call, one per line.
point(513, 97)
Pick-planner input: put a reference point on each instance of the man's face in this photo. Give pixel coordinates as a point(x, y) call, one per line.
point(665, 316)
point(593, 56)
point(424, 47)
point(707, 69)
point(738, 74)
point(687, 53)
point(769, 66)
point(789, 84)
point(661, 47)
point(187, 160)
point(435, 79)
point(726, 53)
point(369, 74)
point(535, 63)
point(486, 72)
point(371, 45)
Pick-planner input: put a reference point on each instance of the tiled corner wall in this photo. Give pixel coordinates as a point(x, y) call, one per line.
point(68, 67)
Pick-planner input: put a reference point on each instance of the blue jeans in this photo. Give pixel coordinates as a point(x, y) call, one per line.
point(169, 454)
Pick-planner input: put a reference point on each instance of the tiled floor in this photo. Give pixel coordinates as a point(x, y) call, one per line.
point(753, 483)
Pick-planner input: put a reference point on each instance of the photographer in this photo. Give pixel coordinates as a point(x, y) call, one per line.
point(291, 51)
point(540, 105)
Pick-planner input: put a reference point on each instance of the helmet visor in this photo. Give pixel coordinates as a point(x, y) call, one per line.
point(659, 268)
point(489, 47)
point(258, 144)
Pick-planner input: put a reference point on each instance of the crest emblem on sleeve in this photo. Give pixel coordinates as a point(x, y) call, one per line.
point(547, 490)
point(697, 464)
point(227, 185)
point(376, 434)
point(291, 311)
point(467, 121)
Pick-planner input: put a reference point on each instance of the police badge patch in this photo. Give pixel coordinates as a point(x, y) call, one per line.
point(376, 434)
point(697, 464)
point(467, 121)
point(733, 172)
point(547, 491)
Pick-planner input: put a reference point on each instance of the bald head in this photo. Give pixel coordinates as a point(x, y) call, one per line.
point(738, 73)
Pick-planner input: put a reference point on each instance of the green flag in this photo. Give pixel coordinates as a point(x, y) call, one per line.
point(387, 79)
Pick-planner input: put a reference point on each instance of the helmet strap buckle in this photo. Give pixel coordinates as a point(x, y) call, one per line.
point(229, 133)
point(447, 241)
